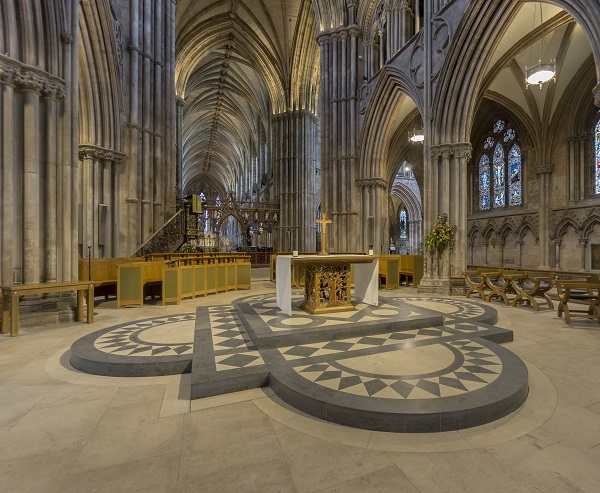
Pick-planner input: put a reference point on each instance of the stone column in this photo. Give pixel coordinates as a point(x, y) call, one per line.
point(556, 244)
point(485, 246)
point(295, 136)
point(339, 123)
point(444, 194)
point(50, 187)
point(583, 242)
point(7, 245)
point(31, 184)
point(375, 195)
point(107, 199)
point(520, 253)
point(544, 173)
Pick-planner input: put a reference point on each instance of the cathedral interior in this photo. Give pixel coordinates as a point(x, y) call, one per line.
point(235, 126)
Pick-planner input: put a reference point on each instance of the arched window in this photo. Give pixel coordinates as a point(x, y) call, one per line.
point(500, 168)
point(403, 224)
point(597, 155)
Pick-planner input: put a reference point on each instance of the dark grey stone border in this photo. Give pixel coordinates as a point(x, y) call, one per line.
point(87, 358)
point(492, 402)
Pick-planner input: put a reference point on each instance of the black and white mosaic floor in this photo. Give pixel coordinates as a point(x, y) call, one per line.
point(410, 364)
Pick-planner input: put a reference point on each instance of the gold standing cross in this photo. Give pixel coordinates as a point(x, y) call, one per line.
point(324, 222)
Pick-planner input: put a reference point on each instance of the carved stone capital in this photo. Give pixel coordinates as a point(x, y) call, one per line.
point(372, 183)
point(179, 101)
point(461, 150)
point(101, 154)
point(353, 31)
point(542, 169)
point(28, 78)
point(66, 38)
point(324, 39)
point(583, 241)
point(596, 92)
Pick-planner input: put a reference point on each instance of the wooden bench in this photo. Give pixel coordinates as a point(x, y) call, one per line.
point(579, 293)
point(476, 283)
point(530, 287)
point(11, 298)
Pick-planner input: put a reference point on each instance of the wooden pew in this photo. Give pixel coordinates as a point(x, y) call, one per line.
point(579, 293)
point(530, 288)
point(11, 297)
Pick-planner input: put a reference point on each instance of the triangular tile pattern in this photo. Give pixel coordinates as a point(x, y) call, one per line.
point(266, 308)
point(293, 353)
point(227, 331)
point(232, 347)
point(463, 309)
point(480, 367)
point(120, 341)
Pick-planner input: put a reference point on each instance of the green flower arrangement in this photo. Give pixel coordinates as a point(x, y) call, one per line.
point(441, 236)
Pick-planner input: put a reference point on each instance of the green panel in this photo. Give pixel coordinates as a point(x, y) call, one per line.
point(199, 278)
point(130, 285)
point(393, 278)
point(231, 275)
point(211, 278)
point(418, 270)
point(187, 282)
point(221, 277)
point(243, 274)
point(170, 288)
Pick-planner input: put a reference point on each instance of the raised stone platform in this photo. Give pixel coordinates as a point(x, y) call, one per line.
point(409, 365)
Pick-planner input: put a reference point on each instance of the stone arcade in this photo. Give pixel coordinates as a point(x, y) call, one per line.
point(115, 112)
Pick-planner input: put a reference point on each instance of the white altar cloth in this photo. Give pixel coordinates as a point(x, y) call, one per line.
point(366, 278)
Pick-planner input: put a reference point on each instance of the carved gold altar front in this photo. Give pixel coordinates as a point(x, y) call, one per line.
point(327, 287)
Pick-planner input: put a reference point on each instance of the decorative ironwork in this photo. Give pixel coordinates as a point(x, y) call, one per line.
point(167, 239)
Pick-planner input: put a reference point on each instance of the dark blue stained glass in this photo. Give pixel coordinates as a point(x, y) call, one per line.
point(597, 146)
point(499, 126)
point(403, 224)
point(510, 135)
point(499, 180)
point(484, 182)
point(514, 176)
point(489, 143)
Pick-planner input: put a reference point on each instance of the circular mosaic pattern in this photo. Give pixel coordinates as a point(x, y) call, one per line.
point(470, 366)
point(163, 336)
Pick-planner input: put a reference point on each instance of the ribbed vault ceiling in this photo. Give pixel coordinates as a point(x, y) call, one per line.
point(239, 63)
point(521, 46)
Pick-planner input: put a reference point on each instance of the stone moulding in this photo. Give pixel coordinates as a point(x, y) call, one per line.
point(101, 154)
point(27, 77)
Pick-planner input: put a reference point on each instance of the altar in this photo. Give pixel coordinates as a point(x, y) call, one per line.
point(327, 282)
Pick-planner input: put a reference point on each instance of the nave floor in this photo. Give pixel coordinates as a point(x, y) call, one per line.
point(62, 430)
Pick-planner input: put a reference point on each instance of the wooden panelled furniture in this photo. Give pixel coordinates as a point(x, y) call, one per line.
point(393, 269)
point(11, 297)
point(174, 276)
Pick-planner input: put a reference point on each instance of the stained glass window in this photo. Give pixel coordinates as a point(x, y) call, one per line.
point(484, 182)
point(510, 135)
point(597, 147)
point(501, 175)
point(499, 169)
point(514, 176)
point(403, 224)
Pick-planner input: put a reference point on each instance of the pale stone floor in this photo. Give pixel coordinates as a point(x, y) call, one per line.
point(61, 430)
